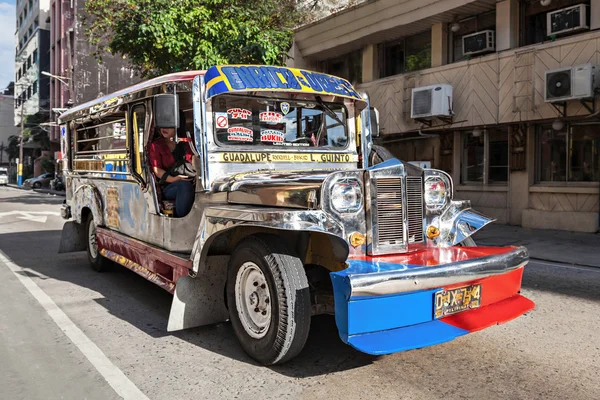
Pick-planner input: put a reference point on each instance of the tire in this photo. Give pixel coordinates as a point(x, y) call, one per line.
point(468, 242)
point(264, 274)
point(96, 260)
point(37, 185)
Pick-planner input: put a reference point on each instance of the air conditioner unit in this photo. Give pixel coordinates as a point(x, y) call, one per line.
point(567, 19)
point(431, 101)
point(479, 42)
point(578, 82)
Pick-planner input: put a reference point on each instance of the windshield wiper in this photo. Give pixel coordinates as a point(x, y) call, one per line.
point(330, 112)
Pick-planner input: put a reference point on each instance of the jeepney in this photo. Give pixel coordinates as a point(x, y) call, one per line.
point(296, 213)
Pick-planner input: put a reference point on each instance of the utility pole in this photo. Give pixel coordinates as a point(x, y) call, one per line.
point(20, 165)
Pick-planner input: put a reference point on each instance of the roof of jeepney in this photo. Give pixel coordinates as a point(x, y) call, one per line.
point(222, 79)
point(123, 93)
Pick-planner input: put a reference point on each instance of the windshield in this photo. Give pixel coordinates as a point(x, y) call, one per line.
point(252, 121)
point(2, 172)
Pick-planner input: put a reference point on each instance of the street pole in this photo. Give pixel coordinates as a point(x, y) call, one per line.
point(20, 166)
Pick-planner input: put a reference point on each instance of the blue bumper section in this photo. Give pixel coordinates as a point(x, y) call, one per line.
point(388, 324)
point(408, 338)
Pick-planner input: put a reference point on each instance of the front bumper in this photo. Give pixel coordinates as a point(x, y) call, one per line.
point(386, 304)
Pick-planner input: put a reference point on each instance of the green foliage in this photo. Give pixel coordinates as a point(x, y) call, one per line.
point(48, 164)
point(162, 36)
point(420, 60)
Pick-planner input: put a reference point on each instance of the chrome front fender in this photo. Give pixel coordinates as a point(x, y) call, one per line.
point(219, 219)
point(458, 222)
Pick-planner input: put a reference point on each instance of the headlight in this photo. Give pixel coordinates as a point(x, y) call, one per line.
point(436, 192)
point(346, 196)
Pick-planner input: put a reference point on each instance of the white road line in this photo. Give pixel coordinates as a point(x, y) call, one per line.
point(113, 375)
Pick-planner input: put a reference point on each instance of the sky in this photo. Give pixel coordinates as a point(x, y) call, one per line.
point(7, 42)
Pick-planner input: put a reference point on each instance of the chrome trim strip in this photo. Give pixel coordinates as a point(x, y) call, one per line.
point(414, 279)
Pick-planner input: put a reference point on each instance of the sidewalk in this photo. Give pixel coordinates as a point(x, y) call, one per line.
point(548, 245)
point(47, 191)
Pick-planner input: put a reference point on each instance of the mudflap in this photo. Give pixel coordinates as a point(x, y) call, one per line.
point(72, 238)
point(200, 301)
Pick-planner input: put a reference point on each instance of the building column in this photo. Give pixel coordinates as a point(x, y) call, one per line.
point(295, 59)
point(439, 45)
point(369, 63)
point(594, 14)
point(507, 24)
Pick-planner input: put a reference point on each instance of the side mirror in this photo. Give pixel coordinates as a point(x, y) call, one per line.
point(166, 111)
point(374, 122)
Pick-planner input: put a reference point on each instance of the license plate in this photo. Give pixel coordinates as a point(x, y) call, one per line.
point(456, 300)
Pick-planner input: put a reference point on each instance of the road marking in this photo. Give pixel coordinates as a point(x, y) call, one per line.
point(35, 216)
point(113, 375)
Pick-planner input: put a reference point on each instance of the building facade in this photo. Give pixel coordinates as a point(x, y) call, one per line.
point(518, 157)
point(32, 40)
point(77, 76)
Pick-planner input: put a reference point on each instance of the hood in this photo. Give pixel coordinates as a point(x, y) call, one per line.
point(296, 189)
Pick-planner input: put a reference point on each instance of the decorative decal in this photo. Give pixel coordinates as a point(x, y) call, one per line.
point(112, 208)
point(240, 134)
point(285, 108)
point(270, 135)
point(235, 78)
point(270, 116)
point(221, 120)
point(237, 157)
point(239, 113)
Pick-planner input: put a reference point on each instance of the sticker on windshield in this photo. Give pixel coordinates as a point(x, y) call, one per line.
point(272, 136)
point(240, 134)
point(221, 120)
point(285, 108)
point(239, 113)
point(270, 116)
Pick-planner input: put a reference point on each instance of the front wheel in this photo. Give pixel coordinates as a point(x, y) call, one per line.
point(37, 185)
point(97, 261)
point(269, 299)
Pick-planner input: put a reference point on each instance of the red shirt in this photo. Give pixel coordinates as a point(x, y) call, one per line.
point(160, 156)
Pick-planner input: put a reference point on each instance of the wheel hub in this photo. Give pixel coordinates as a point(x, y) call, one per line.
point(253, 300)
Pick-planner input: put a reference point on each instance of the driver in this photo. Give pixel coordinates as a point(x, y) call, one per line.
point(160, 158)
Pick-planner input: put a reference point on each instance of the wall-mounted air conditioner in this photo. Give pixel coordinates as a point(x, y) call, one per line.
point(479, 42)
point(431, 101)
point(578, 82)
point(567, 19)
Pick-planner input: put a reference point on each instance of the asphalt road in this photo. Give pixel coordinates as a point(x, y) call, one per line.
point(552, 352)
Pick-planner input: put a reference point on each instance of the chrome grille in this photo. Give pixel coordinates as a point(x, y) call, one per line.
point(389, 211)
point(414, 208)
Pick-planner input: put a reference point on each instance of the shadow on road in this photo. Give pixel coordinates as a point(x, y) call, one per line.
point(144, 305)
point(580, 282)
point(37, 199)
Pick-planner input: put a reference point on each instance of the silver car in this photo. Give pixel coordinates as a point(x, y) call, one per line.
point(39, 181)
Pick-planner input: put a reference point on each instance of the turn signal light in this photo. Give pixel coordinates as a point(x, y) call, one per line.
point(357, 239)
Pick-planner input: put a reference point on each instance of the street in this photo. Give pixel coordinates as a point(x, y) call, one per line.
point(552, 352)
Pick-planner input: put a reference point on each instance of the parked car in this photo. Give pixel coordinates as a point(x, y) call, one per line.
point(39, 181)
point(3, 176)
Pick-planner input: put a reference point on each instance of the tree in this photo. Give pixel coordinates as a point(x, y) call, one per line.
point(162, 36)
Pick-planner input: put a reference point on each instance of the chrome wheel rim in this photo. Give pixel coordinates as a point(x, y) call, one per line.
point(253, 300)
point(92, 245)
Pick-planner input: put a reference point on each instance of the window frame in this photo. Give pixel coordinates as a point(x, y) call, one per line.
point(538, 158)
point(485, 181)
point(382, 47)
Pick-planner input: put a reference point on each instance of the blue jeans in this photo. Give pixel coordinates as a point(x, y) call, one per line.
point(183, 194)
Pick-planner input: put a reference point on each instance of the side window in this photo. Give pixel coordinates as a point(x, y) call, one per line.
point(138, 122)
point(102, 146)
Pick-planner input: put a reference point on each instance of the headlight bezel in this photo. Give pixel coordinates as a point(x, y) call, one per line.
point(434, 175)
point(354, 188)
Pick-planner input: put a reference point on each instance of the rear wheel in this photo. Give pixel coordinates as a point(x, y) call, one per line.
point(269, 299)
point(37, 185)
point(97, 261)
